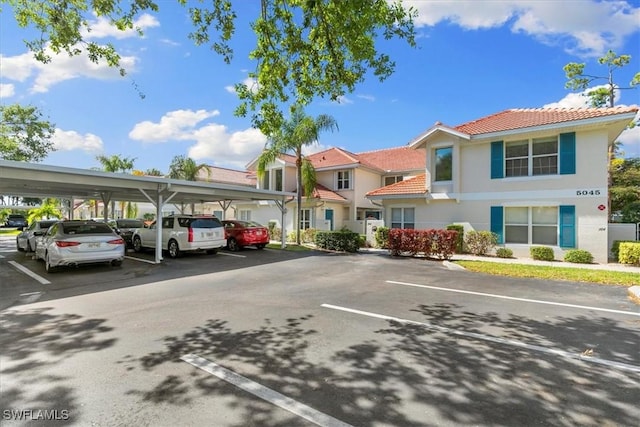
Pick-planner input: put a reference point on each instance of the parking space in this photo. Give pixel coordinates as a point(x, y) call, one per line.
point(279, 338)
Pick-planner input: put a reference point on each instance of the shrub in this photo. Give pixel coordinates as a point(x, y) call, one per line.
point(615, 248)
point(306, 236)
point(431, 243)
point(274, 232)
point(459, 238)
point(382, 237)
point(629, 253)
point(480, 242)
point(542, 253)
point(504, 253)
point(343, 240)
point(578, 256)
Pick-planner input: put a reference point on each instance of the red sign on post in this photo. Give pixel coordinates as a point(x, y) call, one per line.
point(602, 207)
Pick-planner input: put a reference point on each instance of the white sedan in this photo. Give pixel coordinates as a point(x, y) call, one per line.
point(72, 243)
point(26, 240)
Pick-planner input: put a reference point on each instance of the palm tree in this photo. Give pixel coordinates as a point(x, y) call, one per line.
point(186, 168)
point(298, 132)
point(115, 163)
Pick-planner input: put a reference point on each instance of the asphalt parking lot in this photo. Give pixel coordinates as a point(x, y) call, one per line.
point(273, 338)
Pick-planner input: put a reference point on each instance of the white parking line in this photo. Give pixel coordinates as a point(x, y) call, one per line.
point(263, 392)
point(513, 343)
point(235, 255)
point(30, 273)
point(460, 291)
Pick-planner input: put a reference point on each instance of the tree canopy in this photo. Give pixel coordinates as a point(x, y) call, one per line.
point(24, 134)
point(295, 134)
point(304, 48)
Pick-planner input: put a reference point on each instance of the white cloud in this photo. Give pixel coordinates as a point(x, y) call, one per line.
point(580, 99)
point(215, 143)
point(102, 28)
point(343, 100)
point(370, 98)
point(250, 83)
point(587, 28)
point(7, 90)
point(62, 67)
point(175, 125)
point(72, 140)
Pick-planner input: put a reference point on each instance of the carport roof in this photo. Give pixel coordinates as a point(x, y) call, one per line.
point(38, 180)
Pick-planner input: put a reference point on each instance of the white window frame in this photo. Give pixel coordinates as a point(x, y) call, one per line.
point(394, 178)
point(435, 163)
point(403, 222)
point(531, 158)
point(244, 214)
point(343, 177)
point(305, 219)
point(531, 225)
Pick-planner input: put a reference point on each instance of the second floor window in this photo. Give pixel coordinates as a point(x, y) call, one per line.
point(278, 179)
point(444, 164)
point(344, 181)
point(265, 180)
point(531, 157)
point(388, 180)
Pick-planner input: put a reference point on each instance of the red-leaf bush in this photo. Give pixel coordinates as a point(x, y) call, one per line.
point(431, 243)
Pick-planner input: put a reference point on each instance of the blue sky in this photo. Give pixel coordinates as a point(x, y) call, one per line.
point(474, 58)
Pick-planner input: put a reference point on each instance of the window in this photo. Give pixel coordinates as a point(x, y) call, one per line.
point(344, 182)
point(245, 215)
point(403, 218)
point(444, 164)
point(265, 180)
point(531, 225)
point(388, 180)
point(305, 219)
point(538, 156)
point(278, 179)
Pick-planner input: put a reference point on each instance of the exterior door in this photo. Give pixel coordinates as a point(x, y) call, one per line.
point(328, 215)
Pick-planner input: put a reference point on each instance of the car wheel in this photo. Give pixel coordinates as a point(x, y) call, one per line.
point(212, 251)
point(116, 263)
point(18, 246)
point(173, 248)
point(47, 264)
point(29, 248)
point(261, 246)
point(232, 245)
point(137, 244)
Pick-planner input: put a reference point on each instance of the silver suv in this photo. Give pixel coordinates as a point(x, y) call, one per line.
point(182, 233)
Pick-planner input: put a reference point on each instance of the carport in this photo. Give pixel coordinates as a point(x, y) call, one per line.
point(37, 180)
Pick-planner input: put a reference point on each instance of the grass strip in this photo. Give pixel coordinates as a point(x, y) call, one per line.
point(620, 278)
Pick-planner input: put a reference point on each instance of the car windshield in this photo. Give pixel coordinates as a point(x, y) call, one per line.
point(46, 224)
point(86, 228)
point(130, 223)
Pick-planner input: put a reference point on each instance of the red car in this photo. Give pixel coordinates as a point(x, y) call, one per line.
point(245, 233)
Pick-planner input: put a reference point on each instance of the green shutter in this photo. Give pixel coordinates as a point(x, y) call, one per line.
point(497, 160)
point(567, 226)
point(568, 153)
point(497, 220)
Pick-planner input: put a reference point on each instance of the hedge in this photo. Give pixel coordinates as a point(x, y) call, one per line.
point(431, 243)
point(343, 240)
point(629, 253)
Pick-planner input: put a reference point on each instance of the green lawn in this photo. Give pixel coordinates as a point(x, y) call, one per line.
point(553, 273)
point(9, 232)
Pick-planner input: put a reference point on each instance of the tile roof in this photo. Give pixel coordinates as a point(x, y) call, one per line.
point(323, 193)
point(396, 159)
point(524, 118)
point(416, 185)
point(389, 159)
point(228, 176)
